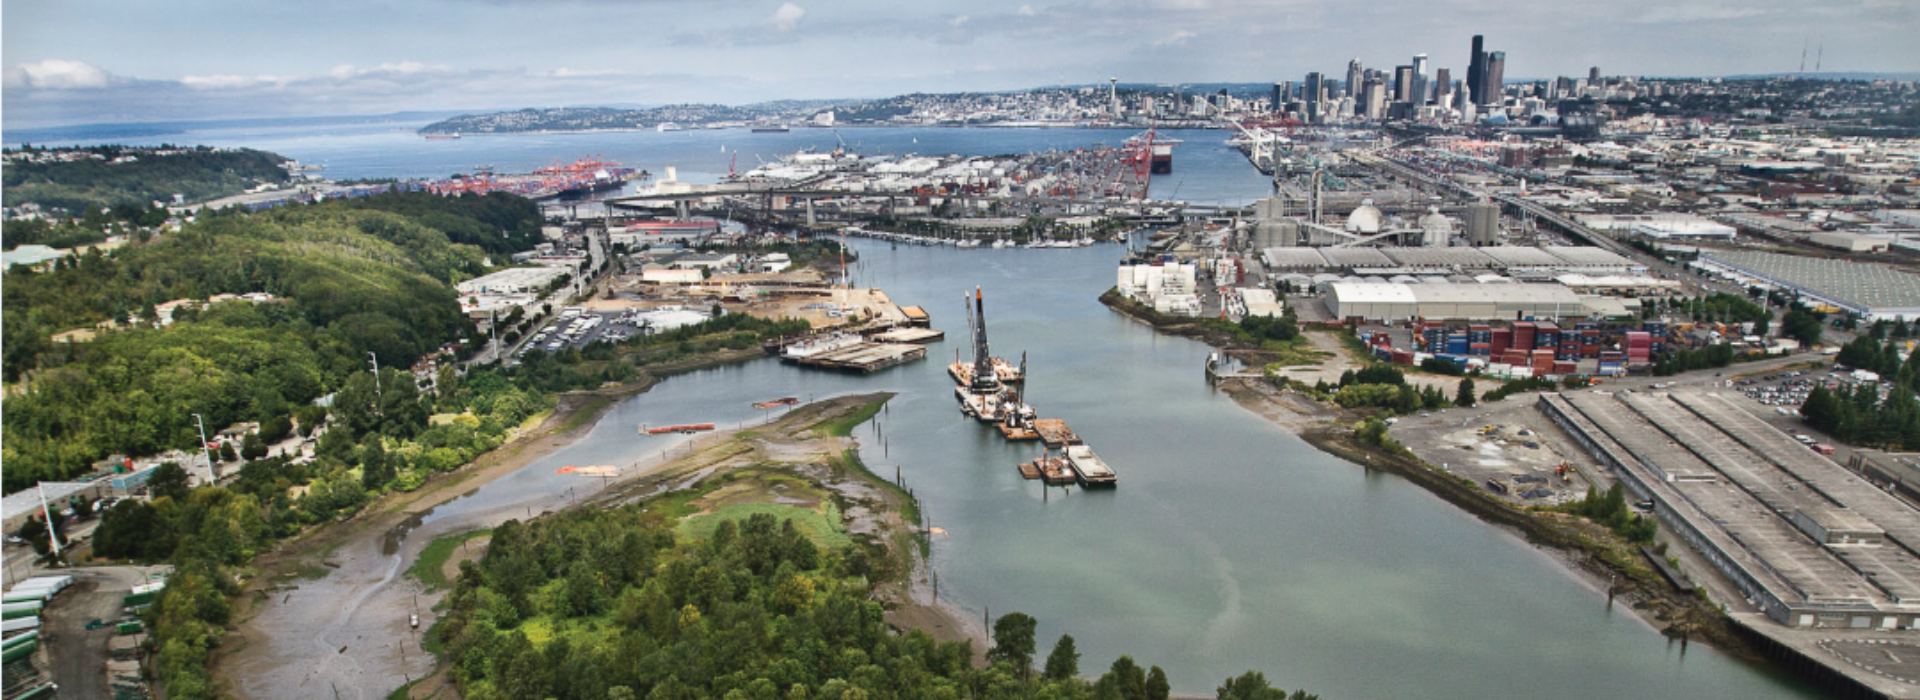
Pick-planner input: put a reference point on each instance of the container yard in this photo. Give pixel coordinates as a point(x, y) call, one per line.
point(580, 177)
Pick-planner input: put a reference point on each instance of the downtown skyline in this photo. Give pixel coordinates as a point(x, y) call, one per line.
point(62, 65)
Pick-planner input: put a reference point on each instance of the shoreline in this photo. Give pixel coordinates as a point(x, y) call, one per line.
point(1580, 546)
point(390, 520)
point(1585, 549)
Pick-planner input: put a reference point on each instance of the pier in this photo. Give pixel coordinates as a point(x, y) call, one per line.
point(862, 356)
point(1055, 433)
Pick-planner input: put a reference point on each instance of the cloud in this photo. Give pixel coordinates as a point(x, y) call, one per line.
point(787, 16)
point(1666, 14)
point(1179, 38)
point(1025, 11)
point(57, 74)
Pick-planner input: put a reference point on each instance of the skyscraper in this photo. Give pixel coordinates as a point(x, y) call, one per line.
point(1593, 75)
point(1495, 78)
point(1279, 97)
point(1476, 67)
point(1355, 77)
point(1419, 79)
point(1442, 86)
point(1403, 83)
point(1315, 91)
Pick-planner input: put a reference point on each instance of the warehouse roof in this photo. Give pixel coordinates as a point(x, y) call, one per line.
point(1471, 258)
point(1587, 255)
point(1861, 285)
point(1521, 256)
point(1355, 257)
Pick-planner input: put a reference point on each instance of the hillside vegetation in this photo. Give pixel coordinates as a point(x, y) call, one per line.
point(198, 173)
point(355, 278)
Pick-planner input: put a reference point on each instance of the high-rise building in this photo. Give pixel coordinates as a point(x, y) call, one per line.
point(1403, 83)
point(1279, 97)
point(1355, 78)
point(1419, 78)
point(1495, 78)
point(1375, 106)
point(1442, 86)
point(1593, 75)
point(1476, 67)
point(1316, 92)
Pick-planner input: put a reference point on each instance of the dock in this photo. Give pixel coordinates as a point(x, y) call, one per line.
point(1018, 433)
point(683, 428)
point(1089, 468)
point(851, 352)
point(909, 335)
point(1055, 433)
point(1053, 470)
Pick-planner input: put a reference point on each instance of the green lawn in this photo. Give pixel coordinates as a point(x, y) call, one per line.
point(428, 568)
point(823, 528)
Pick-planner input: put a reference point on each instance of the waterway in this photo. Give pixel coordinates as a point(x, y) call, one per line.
point(1229, 545)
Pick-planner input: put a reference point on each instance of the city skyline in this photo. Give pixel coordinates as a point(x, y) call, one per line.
point(63, 66)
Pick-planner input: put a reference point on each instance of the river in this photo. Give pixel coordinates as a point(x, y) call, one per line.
point(1230, 543)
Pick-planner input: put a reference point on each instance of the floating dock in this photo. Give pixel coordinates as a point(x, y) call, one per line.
point(1089, 468)
point(1053, 470)
point(865, 357)
point(1018, 433)
point(684, 428)
point(1055, 433)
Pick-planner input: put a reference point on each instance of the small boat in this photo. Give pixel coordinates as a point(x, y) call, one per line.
point(787, 401)
point(453, 136)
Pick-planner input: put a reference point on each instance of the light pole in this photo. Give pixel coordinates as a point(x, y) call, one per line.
point(205, 448)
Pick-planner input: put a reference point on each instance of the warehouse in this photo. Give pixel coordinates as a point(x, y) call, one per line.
point(1873, 292)
point(1389, 302)
point(513, 280)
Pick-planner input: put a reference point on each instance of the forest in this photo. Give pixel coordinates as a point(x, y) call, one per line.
point(352, 278)
point(590, 604)
point(197, 173)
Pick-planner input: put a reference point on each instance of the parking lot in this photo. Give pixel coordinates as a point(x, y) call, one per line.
point(578, 328)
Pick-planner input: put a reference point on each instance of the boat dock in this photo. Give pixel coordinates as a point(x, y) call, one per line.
point(1053, 470)
point(685, 428)
point(1055, 433)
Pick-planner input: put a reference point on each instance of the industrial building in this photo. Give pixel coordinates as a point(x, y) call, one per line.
point(513, 280)
point(1873, 292)
point(1425, 261)
point(1390, 302)
point(1169, 287)
point(1809, 543)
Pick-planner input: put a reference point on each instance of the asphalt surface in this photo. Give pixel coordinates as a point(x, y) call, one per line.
point(78, 656)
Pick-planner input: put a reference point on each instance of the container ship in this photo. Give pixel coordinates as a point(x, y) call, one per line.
point(1159, 150)
point(580, 177)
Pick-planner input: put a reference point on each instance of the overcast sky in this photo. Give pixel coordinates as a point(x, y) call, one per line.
point(84, 61)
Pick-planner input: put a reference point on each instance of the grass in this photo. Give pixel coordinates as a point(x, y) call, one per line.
point(1298, 352)
point(844, 425)
point(429, 569)
point(822, 526)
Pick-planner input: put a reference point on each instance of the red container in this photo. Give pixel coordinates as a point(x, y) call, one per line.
point(1523, 335)
point(1564, 367)
point(1502, 339)
point(1589, 351)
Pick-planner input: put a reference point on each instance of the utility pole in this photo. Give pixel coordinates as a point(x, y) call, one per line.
point(375, 359)
point(53, 538)
point(205, 447)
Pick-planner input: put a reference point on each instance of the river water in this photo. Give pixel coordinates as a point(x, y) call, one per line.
point(1229, 545)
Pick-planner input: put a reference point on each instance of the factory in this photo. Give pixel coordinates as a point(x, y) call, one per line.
point(1807, 542)
point(1873, 292)
point(1169, 287)
point(1545, 260)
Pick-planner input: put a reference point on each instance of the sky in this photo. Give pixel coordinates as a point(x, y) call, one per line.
point(103, 61)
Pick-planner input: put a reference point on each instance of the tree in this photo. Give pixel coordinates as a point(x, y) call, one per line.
point(1157, 686)
point(169, 480)
point(1064, 662)
point(1464, 397)
point(252, 447)
point(1013, 641)
point(226, 452)
point(1251, 685)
